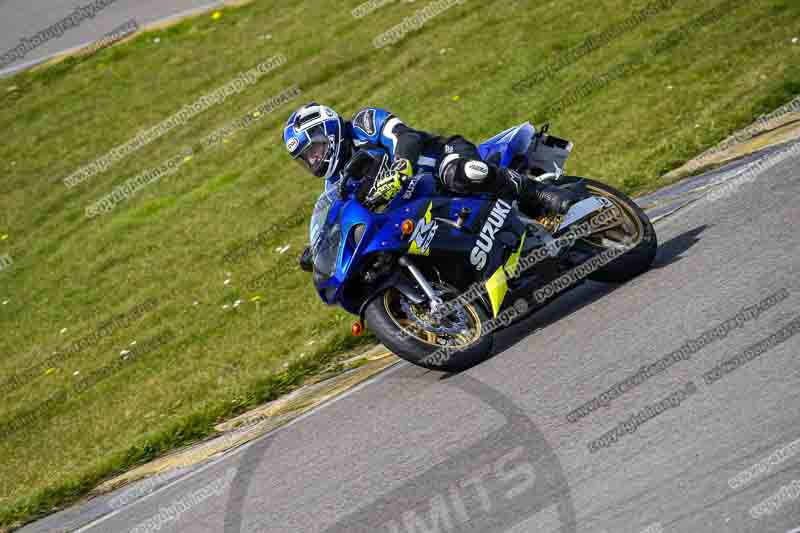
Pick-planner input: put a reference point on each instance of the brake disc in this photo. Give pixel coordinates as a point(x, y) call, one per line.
point(454, 323)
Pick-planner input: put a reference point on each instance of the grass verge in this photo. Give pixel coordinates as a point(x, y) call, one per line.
point(649, 99)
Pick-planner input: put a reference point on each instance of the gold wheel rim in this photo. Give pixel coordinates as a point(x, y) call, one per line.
point(631, 224)
point(469, 337)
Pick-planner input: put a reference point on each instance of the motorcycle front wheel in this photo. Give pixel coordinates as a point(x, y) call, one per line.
point(452, 344)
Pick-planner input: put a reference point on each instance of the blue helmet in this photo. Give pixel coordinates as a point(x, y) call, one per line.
point(316, 137)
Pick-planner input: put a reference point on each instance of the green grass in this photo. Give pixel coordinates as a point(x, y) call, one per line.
point(72, 273)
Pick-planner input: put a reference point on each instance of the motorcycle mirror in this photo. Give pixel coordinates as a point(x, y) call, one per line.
point(545, 128)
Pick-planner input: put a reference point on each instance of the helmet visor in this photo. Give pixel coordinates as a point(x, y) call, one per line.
point(315, 157)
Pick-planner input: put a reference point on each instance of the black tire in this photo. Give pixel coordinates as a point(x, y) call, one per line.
point(637, 260)
point(415, 350)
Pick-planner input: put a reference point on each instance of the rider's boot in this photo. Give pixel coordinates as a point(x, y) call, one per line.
point(536, 198)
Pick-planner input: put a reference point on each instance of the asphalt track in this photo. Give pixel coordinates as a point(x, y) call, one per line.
point(25, 18)
point(491, 450)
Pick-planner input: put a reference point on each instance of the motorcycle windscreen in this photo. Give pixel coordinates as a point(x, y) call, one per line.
point(326, 253)
point(325, 237)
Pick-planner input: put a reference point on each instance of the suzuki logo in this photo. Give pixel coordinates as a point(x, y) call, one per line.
point(485, 243)
point(411, 186)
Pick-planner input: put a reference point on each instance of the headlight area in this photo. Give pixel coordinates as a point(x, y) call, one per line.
point(326, 258)
point(354, 237)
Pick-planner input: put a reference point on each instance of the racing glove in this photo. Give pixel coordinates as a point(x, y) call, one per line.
point(386, 185)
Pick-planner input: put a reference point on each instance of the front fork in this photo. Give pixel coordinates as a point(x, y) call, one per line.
point(404, 285)
point(427, 288)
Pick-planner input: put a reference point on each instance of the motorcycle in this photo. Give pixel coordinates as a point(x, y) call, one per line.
point(405, 268)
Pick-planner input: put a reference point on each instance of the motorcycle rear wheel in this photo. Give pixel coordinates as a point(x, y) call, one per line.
point(635, 231)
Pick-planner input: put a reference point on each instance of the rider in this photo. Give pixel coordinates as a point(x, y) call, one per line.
point(323, 142)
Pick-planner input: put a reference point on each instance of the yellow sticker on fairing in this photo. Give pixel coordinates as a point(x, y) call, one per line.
point(424, 231)
point(496, 288)
point(497, 284)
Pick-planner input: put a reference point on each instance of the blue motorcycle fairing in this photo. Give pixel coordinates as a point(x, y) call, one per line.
point(330, 272)
point(339, 220)
point(508, 144)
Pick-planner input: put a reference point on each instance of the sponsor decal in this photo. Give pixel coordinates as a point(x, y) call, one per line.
point(485, 241)
point(365, 121)
point(291, 144)
point(411, 186)
point(424, 231)
point(384, 168)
